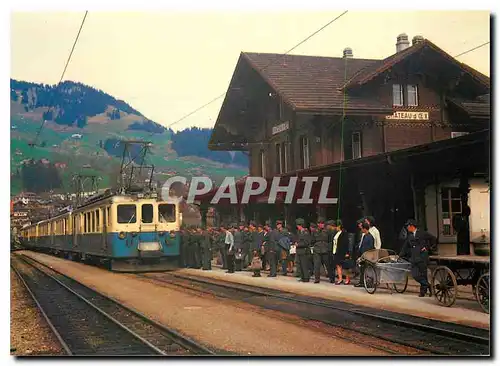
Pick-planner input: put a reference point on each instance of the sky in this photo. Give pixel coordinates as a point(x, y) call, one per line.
point(168, 63)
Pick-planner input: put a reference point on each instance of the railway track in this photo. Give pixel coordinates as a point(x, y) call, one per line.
point(428, 336)
point(88, 323)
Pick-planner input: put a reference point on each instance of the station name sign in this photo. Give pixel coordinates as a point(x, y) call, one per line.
point(281, 127)
point(422, 116)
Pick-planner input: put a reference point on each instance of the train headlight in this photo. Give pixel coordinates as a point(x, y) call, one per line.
point(134, 234)
point(161, 233)
point(121, 235)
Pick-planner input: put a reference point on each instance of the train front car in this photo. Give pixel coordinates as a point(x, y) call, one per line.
point(144, 235)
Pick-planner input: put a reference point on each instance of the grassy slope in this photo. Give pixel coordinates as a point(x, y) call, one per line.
point(76, 153)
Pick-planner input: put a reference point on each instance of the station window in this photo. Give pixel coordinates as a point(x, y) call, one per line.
point(166, 213)
point(450, 206)
point(126, 214)
point(147, 213)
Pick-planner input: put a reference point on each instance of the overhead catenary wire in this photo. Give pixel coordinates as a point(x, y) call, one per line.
point(62, 76)
point(472, 49)
point(262, 69)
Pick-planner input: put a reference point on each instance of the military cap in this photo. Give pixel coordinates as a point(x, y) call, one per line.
point(360, 221)
point(279, 222)
point(233, 225)
point(268, 223)
point(338, 222)
point(252, 223)
point(321, 220)
point(299, 222)
point(312, 224)
point(242, 223)
point(259, 225)
point(411, 222)
point(371, 219)
point(330, 222)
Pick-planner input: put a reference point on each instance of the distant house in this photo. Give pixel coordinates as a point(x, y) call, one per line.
point(76, 136)
point(60, 165)
point(45, 161)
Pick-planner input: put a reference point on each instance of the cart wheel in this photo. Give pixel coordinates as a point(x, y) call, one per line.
point(400, 287)
point(370, 279)
point(483, 292)
point(444, 286)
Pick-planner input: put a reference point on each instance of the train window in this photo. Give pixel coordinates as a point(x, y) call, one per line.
point(126, 214)
point(166, 213)
point(104, 218)
point(147, 213)
point(92, 220)
point(97, 220)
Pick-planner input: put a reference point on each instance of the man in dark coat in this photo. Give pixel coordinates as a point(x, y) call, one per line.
point(367, 243)
point(320, 250)
point(303, 240)
point(247, 243)
point(272, 247)
point(419, 243)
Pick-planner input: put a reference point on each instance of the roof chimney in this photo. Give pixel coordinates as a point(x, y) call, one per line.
point(347, 52)
point(417, 40)
point(402, 43)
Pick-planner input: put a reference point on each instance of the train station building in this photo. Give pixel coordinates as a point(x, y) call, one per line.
point(403, 137)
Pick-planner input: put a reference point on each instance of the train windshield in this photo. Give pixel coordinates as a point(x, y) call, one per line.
point(166, 213)
point(126, 214)
point(147, 213)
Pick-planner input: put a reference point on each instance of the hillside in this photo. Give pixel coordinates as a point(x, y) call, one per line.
point(82, 133)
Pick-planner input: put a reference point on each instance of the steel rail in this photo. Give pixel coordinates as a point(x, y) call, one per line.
point(398, 322)
point(106, 315)
point(61, 341)
point(408, 324)
point(178, 338)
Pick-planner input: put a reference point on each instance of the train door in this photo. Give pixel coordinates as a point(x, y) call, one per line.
point(104, 230)
point(76, 231)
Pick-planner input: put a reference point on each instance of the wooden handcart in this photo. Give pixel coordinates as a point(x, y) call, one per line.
point(461, 270)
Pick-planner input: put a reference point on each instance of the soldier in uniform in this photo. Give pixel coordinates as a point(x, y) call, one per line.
point(419, 243)
point(320, 250)
point(188, 247)
point(206, 249)
point(197, 240)
point(284, 248)
point(247, 243)
point(303, 240)
point(238, 246)
point(221, 237)
point(312, 228)
point(182, 247)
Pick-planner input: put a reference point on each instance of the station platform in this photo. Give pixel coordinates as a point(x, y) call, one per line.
point(466, 311)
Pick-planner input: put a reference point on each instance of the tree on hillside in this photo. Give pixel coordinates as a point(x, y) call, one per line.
point(38, 177)
point(13, 95)
point(194, 142)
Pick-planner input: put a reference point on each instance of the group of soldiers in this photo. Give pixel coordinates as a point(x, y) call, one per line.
point(238, 244)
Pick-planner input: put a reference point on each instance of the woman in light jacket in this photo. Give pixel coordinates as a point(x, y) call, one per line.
point(340, 252)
